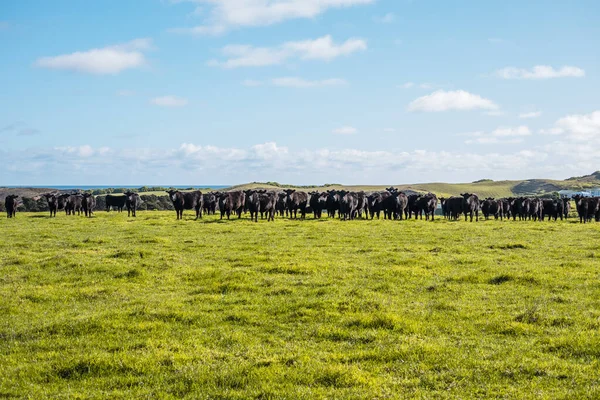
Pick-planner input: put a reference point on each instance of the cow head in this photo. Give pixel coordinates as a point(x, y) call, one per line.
point(12, 197)
point(289, 191)
point(392, 189)
point(173, 194)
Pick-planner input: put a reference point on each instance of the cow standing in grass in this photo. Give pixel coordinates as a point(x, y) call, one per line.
point(376, 202)
point(296, 201)
point(318, 202)
point(267, 203)
point(426, 204)
point(115, 202)
point(186, 201)
point(11, 204)
point(455, 206)
point(399, 202)
point(209, 203)
point(348, 204)
point(55, 202)
point(232, 203)
point(133, 202)
point(470, 206)
point(333, 203)
point(74, 204)
point(88, 204)
point(252, 203)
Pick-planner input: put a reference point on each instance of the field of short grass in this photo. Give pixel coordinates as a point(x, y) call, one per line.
point(116, 307)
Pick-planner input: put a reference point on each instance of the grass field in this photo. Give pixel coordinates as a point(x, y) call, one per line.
point(112, 307)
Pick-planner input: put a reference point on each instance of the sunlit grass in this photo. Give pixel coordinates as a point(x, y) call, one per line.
point(153, 307)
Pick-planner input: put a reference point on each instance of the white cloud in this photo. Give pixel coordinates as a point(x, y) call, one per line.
point(494, 113)
point(386, 19)
point(407, 85)
point(502, 135)
point(529, 115)
point(169, 101)
point(228, 14)
point(551, 131)
point(322, 48)
point(296, 82)
point(100, 61)
point(580, 127)
point(540, 72)
point(345, 130)
point(451, 100)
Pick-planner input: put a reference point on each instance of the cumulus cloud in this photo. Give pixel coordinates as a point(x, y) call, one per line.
point(529, 115)
point(580, 127)
point(345, 130)
point(224, 15)
point(451, 100)
point(322, 48)
point(540, 72)
point(169, 101)
point(100, 61)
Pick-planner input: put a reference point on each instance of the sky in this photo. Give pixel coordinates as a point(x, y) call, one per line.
point(178, 92)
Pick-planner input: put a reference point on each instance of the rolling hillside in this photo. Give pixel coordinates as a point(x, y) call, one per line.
point(484, 188)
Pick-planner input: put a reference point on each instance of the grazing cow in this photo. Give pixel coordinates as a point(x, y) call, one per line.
point(88, 204)
point(74, 204)
point(133, 202)
point(376, 202)
point(115, 202)
point(232, 203)
point(348, 204)
point(268, 203)
point(209, 203)
point(318, 203)
point(11, 204)
point(333, 203)
point(426, 204)
point(296, 201)
point(470, 205)
point(186, 201)
point(252, 203)
point(55, 202)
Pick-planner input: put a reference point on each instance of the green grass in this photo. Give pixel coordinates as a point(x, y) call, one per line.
point(112, 307)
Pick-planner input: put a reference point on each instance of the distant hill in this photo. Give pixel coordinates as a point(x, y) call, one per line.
point(483, 187)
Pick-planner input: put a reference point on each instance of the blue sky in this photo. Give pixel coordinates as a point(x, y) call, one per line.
point(297, 91)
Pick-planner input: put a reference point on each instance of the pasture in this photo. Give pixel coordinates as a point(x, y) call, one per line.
point(153, 307)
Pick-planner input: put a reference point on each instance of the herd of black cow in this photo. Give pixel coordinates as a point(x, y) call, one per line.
point(346, 205)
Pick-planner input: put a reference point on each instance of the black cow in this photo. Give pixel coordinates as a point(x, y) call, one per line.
point(268, 203)
point(74, 204)
point(348, 204)
point(553, 209)
point(186, 201)
point(296, 201)
point(491, 207)
point(333, 203)
point(281, 204)
point(536, 209)
point(115, 202)
point(426, 204)
point(412, 207)
point(11, 204)
point(363, 205)
point(209, 203)
point(232, 202)
point(444, 208)
point(455, 206)
point(252, 203)
point(399, 203)
point(470, 205)
point(88, 204)
point(133, 202)
point(55, 202)
point(587, 208)
point(376, 203)
point(318, 203)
